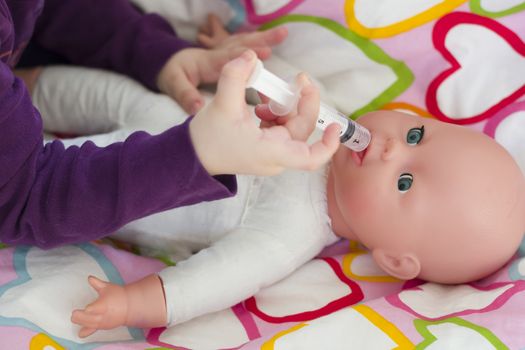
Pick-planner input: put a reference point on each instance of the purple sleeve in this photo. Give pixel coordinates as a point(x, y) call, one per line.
point(110, 34)
point(50, 195)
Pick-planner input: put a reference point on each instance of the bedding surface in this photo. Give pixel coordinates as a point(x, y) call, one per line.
point(459, 61)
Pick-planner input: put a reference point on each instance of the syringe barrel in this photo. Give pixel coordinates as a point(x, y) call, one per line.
point(284, 97)
point(352, 134)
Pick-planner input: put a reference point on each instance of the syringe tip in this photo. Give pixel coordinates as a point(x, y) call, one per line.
point(359, 140)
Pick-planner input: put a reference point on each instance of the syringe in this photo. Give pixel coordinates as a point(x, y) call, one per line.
point(284, 97)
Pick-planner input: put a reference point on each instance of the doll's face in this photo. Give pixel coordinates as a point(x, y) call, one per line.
point(425, 188)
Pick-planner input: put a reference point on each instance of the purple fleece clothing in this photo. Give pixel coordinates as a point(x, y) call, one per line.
point(50, 195)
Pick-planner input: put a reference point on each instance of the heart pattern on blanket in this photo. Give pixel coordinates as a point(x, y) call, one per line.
point(431, 301)
point(405, 107)
point(38, 299)
point(261, 11)
point(455, 333)
point(517, 269)
point(274, 305)
point(487, 68)
point(385, 18)
point(360, 325)
point(355, 64)
point(360, 266)
point(12, 337)
point(219, 330)
point(6, 264)
point(42, 341)
point(496, 8)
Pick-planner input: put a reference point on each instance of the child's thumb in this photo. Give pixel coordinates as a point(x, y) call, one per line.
point(234, 75)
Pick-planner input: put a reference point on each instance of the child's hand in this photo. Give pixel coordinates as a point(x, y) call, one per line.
point(214, 35)
point(228, 140)
point(187, 69)
point(300, 130)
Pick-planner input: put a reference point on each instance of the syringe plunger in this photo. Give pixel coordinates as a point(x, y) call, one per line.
point(284, 97)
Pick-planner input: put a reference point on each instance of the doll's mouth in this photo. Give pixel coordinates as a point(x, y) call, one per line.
point(358, 157)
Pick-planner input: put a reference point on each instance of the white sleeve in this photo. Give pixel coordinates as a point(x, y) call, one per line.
point(233, 269)
point(267, 247)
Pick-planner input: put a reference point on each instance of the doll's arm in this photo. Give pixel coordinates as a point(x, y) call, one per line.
point(138, 304)
point(232, 270)
point(284, 226)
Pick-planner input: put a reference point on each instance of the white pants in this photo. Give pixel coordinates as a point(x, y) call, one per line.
point(100, 106)
point(105, 107)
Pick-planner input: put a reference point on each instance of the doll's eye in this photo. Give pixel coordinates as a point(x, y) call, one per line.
point(415, 135)
point(404, 182)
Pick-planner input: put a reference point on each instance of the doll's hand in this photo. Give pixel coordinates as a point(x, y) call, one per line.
point(107, 312)
point(228, 140)
point(189, 68)
point(138, 304)
point(214, 35)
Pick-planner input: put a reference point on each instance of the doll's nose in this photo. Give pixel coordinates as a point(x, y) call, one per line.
point(390, 149)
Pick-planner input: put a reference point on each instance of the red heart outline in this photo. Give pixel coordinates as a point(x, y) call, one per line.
point(441, 29)
point(355, 296)
point(253, 17)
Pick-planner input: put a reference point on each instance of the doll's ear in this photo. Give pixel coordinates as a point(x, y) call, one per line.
point(403, 266)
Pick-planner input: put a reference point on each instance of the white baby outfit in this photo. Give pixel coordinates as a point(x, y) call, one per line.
point(242, 244)
point(272, 227)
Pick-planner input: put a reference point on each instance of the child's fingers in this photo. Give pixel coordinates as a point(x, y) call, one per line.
point(204, 28)
point(299, 155)
point(263, 52)
point(205, 40)
point(269, 37)
point(214, 61)
point(302, 125)
point(324, 149)
point(185, 92)
point(232, 81)
point(264, 99)
point(263, 112)
point(215, 24)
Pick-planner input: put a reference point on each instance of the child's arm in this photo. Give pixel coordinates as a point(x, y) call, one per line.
point(50, 195)
point(112, 34)
point(250, 149)
point(115, 35)
point(214, 35)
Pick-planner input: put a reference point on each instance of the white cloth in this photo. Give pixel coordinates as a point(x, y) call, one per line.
point(100, 106)
point(283, 224)
point(232, 247)
point(186, 16)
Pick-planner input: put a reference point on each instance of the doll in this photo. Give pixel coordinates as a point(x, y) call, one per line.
point(429, 199)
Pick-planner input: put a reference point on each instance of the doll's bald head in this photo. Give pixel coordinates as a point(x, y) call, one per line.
point(432, 200)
